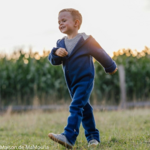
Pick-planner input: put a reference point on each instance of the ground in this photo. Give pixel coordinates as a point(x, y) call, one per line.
point(119, 130)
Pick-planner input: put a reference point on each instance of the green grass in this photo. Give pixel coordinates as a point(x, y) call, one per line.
point(119, 130)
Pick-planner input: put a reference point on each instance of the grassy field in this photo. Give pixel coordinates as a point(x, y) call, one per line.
point(119, 130)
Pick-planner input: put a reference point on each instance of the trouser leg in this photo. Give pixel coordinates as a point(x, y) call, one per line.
point(88, 123)
point(79, 100)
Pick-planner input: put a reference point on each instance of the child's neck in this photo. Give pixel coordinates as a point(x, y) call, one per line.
point(72, 35)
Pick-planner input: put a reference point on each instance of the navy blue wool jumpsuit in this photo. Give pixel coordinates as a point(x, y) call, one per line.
point(79, 71)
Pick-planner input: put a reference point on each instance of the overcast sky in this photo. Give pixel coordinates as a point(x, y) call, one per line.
point(114, 24)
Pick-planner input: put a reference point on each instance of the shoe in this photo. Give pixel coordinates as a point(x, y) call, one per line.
point(92, 143)
point(61, 139)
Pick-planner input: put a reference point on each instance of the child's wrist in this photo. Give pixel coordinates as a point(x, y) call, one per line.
point(55, 52)
point(114, 71)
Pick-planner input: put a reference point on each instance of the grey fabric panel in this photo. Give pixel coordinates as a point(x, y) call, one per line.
point(71, 43)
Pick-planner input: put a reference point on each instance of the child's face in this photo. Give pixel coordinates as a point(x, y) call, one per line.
point(66, 23)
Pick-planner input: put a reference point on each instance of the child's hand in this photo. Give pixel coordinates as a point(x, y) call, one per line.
point(114, 71)
point(61, 52)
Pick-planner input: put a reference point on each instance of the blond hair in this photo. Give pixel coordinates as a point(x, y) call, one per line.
point(75, 14)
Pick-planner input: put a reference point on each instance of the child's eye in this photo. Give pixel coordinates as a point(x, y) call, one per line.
point(64, 20)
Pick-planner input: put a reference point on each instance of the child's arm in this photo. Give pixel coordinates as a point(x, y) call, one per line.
point(55, 57)
point(102, 57)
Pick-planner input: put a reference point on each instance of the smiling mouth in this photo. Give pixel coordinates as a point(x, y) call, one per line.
point(62, 28)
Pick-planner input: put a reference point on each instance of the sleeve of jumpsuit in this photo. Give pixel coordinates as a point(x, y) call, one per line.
point(102, 57)
point(54, 59)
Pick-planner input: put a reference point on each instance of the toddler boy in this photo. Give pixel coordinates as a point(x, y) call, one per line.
point(75, 52)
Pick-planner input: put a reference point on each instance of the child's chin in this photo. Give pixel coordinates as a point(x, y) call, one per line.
point(64, 32)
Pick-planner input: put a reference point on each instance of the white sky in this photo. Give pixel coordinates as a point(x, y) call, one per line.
point(114, 24)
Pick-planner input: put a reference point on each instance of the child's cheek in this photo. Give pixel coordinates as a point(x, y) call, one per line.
point(59, 27)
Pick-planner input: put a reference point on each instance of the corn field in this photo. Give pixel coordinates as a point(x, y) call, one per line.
point(25, 77)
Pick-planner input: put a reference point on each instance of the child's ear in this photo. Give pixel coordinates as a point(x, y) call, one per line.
point(77, 22)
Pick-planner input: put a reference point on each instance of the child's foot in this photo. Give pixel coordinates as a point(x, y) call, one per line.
point(92, 143)
point(61, 139)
